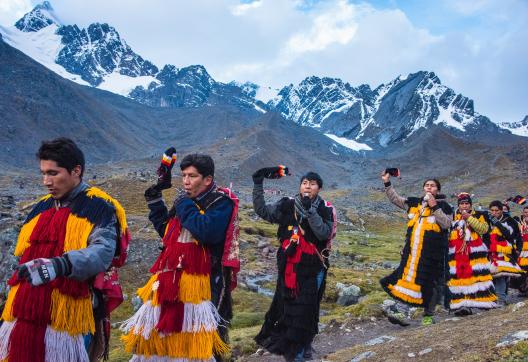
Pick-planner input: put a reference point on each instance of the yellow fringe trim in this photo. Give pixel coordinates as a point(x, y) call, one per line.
point(504, 249)
point(469, 281)
point(405, 297)
point(523, 262)
point(71, 315)
point(491, 298)
point(7, 314)
point(199, 345)
point(194, 288)
point(77, 232)
point(509, 270)
point(407, 269)
point(25, 234)
point(120, 212)
point(407, 285)
point(146, 293)
point(452, 263)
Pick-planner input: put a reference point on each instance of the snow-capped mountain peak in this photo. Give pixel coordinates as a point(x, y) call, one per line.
point(40, 17)
point(517, 128)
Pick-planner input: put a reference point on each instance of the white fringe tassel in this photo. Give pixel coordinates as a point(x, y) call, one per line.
point(138, 358)
point(473, 304)
point(469, 289)
point(62, 347)
point(143, 321)
point(202, 316)
point(5, 332)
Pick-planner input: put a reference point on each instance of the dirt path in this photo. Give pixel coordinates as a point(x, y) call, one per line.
point(472, 338)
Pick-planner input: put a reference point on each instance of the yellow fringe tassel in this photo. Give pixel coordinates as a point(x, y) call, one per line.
point(120, 212)
point(77, 232)
point(25, 234)
point(469, 281)
point(7, 314)
point(71, 315)
point(405, 297)
point(146, 293)
point(523, 262)
point(412, 286)
point(491, 298)
point(199, 345)
point(194, 288)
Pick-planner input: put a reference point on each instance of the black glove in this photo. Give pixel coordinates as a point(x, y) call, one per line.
point(164, 170)
point(42, 270)
point(306, 202)
point(271, 173)
point(152, 193)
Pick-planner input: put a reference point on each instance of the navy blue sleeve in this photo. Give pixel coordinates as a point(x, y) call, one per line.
point(158, 215)
point(209, 228)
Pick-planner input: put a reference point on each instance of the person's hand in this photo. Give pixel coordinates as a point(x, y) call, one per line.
point(271, 173)
point(152, 193)
point(494, 221)
point(42, 270)
point(385, 176)
point(431, 201)
point(306, 202)
point(465, 215)
point(164, 170)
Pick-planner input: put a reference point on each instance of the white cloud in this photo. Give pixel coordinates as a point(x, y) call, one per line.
point(277, 42)
point(12, 10)
point(242, 9)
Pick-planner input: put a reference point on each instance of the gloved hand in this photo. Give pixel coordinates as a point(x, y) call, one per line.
point(42, 270)
point(164, 170)
point(306, 202)
point(164, 175)
point(271, 173)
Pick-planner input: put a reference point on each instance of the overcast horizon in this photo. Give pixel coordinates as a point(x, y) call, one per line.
point(475, 47)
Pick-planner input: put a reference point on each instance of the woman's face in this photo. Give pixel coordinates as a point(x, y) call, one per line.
point(430, 187)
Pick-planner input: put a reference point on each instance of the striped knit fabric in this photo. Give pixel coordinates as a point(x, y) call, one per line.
point(500, 255)
point(177, 321)
point(470, 283)
point(53, 318)
point(523, 255)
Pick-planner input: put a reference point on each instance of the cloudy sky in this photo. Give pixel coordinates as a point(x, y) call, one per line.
point(476, 47)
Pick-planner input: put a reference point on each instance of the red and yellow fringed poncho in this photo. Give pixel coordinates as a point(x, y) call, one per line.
point(49, 322)
point(470, 282)
point(523, 255)
point(177, 319)
point(500, 255)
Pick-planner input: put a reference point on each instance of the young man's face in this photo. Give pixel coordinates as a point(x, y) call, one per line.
point(496, 212)
point(430, 187)
point(193, 182)
point(525, 213)
point(464, 206)
point(309, 187)
point(505, 210)
point(58, 180)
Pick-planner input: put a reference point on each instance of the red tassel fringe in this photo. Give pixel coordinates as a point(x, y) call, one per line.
point(171, 317)
point(169, 286)
point(26, 343)
point(195, 259)
point(33, 303)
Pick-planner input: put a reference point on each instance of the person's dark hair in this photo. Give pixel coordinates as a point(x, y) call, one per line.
point(312, 176)
point(496, 203)
point(506, 206)
point(438, 185)
point(63, 151)
point(203, 163)
point(525, 208)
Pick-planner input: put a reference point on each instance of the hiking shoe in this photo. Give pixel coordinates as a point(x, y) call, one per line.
point(462, 312)
point(427, 320)
point(308, 352)
point(398, 318)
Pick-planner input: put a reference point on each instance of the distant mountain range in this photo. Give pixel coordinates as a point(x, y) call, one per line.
point(359, 117)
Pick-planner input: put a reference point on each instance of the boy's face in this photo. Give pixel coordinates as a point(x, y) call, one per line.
point(309, 187)
point(58, 180)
